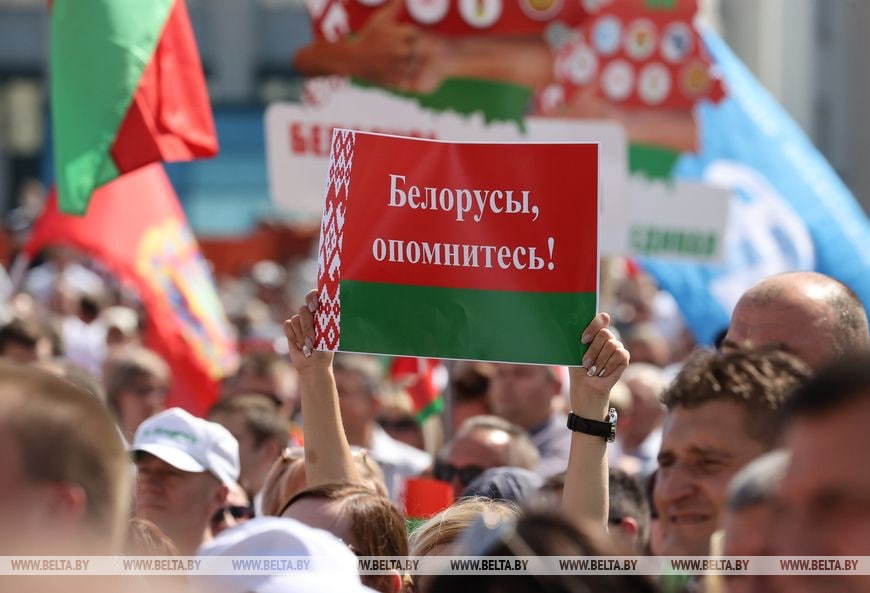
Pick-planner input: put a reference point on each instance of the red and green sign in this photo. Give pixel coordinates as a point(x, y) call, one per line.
point(458, 250)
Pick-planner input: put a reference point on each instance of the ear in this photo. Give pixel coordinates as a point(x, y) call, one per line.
point(395, 582)
point(629, 529)
point(68, 503)
point(219, 499)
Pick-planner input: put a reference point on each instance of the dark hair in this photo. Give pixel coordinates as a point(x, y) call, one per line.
point(20, 331)
point(377, 527)
point(627, 500)
point(541, 534)
point(759, 379)
point(843, 383)
point(260, 414)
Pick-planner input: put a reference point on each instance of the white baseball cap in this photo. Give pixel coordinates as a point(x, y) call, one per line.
point(333, 567)
point(190, 444)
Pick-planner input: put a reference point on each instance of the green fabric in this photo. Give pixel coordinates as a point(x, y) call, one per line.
point(653, 162)
point(436, 406)
point(498, 101)
point(524, 327)
point(99, 49)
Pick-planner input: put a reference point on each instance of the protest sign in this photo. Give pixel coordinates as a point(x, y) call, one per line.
point(298, 142)
point(458, 250)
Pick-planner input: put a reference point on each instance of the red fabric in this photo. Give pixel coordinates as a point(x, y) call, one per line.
point(137, 229)
point(417, 376)
point(170, 117)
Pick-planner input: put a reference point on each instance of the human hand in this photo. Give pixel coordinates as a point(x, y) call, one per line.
point(386, 51)
point(602, 365)
point(299, 330)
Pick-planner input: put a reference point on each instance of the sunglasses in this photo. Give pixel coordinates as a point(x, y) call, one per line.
point(236, 512)
point(446, 472)
point(402, 424)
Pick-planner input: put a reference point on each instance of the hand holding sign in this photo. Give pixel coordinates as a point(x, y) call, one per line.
point(585, 495)
point(299, 330)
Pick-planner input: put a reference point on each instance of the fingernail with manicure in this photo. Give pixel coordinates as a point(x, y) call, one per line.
point(585, 339)
point(312, 306)
point(591, 371)
point(601, 374)
point(306, 351)
point(586, 362)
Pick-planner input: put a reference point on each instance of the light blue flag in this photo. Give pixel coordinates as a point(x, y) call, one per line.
point(789, 209)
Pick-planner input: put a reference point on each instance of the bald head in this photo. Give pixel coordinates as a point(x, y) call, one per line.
point(810, 315)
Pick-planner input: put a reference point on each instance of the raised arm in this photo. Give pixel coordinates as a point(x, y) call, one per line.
point(327, 453)
point(585, 496)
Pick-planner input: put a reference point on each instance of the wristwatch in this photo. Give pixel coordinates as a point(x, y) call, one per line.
point(605, 429)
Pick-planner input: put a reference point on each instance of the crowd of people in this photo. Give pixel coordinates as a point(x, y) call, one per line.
point(753, 448)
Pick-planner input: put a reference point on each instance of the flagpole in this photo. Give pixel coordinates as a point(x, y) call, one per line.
point(17, 272)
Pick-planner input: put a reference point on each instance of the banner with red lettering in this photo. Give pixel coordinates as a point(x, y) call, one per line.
point(458, 250)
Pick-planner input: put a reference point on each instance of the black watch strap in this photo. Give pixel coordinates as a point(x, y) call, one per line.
point(605, 429)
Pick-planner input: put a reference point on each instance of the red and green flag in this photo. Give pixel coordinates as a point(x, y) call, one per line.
point(137, 229)
point(127, 89)
point(458, 250)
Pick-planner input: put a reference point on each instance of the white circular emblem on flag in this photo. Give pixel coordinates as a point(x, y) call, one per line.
point(541, 10)
point(427, 12)
point(654, 83)
point(617, 79)
point(607, 35)
point(480, 13)
point(582, 65)
point(640, 39)
point(677, 42)
point(593, 5)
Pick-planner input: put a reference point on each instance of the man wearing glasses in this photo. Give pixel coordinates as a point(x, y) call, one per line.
point(482, 443)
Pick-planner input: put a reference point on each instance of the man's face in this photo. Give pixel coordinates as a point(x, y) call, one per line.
point(144, 397)
point(180, 503)
point(358, 406)
point(825, 494)
point(747, 533)
point(796, 327)
point(255, 461)
point(522, 394)
point(702, 448)
point(482, 448)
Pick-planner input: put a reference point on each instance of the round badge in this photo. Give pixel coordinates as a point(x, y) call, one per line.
point(640, 39)
point(582, 65)
point(426, 12)
point(677, 42)
point(593, 6)
point(480, 13)
point(654, 83)
point(617, 80)
point(694, 79)
point(607, 35)
point(541, 10)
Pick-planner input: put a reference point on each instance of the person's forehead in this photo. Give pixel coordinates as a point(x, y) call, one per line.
point(828, 450)
point(506, 370)
point(233, 421)
point(715, 426)
point(145, 460)
point(349, 380)
point(480, 446)
point(777, 322)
